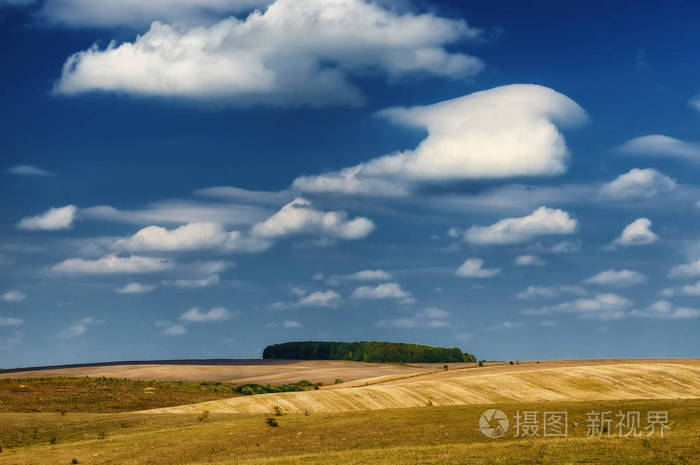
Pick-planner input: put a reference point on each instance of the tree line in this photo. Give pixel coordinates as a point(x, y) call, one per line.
point(395, 352)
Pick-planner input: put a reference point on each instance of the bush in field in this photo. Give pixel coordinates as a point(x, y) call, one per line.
point(204, 416)
point(271, 422)
point(339, 381)
point(366, 352)
point(277, 411)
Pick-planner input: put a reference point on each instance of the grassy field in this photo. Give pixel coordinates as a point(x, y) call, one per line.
point(441, 435)
point(241, 371)
point(70, 395)
point(505, 383)
point(107, 423)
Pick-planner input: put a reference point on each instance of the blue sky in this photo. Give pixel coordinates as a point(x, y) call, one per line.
point(201, 178)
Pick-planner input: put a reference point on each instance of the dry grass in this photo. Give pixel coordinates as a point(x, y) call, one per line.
point(241, 371)
point(519, 383)
point(437, 435)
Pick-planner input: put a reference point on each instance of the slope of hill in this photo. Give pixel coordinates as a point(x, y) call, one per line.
point(605, 381)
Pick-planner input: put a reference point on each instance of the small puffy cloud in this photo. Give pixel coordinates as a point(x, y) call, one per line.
point(328, 298)
point(369, 275)
point(543, 221)
point(291, 324)
point(637, 233)
point(28, 170)
point(295, 52)
point(51, 220)
point(529, 260)
point(474, 268)
point(663, 310)
point(688, 270)
point(502, 132)
point(13, 296)
point(210, 280)
point(550, 292)
point(382, 291)
point(10, 321)
point(602, 307)
point(638, 184)
point(657, 145)
point(690, 289)
point(77, 329)
point(427, 318)
point(194, 315)
point(113, 264)
point(617, 278)
point(135, 288)
point(695, 102)
point(538, 292)
point(191, 236)
point(175, 330)
point(299, 217)
point(564, 247)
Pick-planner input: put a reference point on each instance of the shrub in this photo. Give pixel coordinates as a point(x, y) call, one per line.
point(204, 416)
point(277, 411)
point(445, 367)
point(339, 380)
point(271, 422)
point(511, 362)
point(481, 363)
point(74, 461)
point(305, 383)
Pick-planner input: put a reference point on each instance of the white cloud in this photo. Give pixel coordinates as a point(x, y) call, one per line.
point(110, 264)
point(381, 291)
point(688, 270)
point(368, 275)
point(77, 329)
point(657, 145)
point(51, 220)
point(291, 324)
point(328, 298)
point(502, 132)
point(10, 321)
point(615, 278)
point(695, 102)
point(210, 280)
point(550, 292)
point(135, 288)
point(638, 184)
point(543, 221)
point(529, 260)
point(194, 315)
point(299, 216)
point(536, 292)
point(28, 170)
point(428, 318)
point(637, 233)
point(601, 307)
point(295, 52)
point(110, 13)
point(691, 289)
point(474, 268)
point(13, 296)
point(191, 236)
point(179, 212)
point(175, 330)
point(665, 311)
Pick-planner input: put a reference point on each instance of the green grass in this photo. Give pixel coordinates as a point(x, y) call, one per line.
point(439, 435)
point(85, 394)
